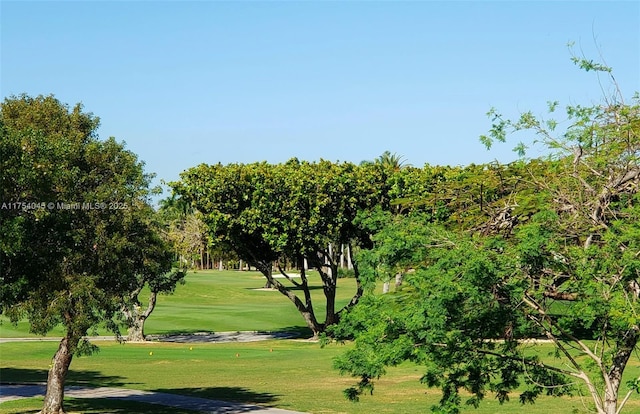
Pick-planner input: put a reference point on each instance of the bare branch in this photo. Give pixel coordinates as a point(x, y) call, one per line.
point(289, 278)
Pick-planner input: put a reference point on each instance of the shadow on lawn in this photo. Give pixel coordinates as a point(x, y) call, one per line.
point(85, 378)
point(288, 332)
point(315, 287)
point(229, 394)
point(104, 406)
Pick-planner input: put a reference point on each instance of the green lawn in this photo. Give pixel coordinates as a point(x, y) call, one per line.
point(220, 301)
point(290, 374)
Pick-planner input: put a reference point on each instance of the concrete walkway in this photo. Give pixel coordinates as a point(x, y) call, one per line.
point(210, 337)
point(13, 392)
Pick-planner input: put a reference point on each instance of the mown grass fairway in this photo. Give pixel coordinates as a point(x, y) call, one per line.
point(290, 374)
point(220, 301)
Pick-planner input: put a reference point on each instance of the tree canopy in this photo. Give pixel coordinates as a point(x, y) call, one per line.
point(75, 231)
point(560, 260)
point(298, 210)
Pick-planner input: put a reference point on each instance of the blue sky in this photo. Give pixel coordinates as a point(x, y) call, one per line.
point(190, 82)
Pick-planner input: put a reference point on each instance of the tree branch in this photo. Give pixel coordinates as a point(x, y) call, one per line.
point(289, 278)
point(594, 393)
point(526, 363)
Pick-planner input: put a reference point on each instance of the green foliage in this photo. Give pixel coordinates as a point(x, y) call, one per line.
point(293, 210)
point(560, 259)
point(344, 273)
point(82, 233)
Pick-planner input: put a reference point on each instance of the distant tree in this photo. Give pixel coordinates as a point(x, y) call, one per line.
point(75, 226)
point(187, 233)
point(173, 208)
point(569, 271)
point(393, 161)
point(298, 210)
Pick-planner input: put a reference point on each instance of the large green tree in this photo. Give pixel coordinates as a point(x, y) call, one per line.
point(568, 269)
point(301, 211)
point(75, 228)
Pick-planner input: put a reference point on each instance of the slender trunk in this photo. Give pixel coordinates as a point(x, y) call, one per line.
point(327, 266)
point(399, 278)
point(308, 313)
point(54, 398)
point(385, 287)
point(305, 308)
point(357, 295)
point(331, 317)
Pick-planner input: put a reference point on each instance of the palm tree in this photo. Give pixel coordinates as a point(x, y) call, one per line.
point(393, 161)
point(174, 208)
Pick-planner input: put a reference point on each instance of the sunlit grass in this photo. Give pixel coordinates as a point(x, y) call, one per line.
point(220, 301)
point(290, 374)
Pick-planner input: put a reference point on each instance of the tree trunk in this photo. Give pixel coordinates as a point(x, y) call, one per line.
point(305, 308)
point(136, 319)
point(331, 317)
point(618, 364)
point(330, 281)
point(54, 398)
point(399, 278)
point(135, 331)
point(385, 287)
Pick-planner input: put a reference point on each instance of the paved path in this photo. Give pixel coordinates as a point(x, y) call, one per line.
point(213, 337)
point(13, 392)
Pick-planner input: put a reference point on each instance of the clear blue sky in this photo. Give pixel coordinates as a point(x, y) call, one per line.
point(190, 82)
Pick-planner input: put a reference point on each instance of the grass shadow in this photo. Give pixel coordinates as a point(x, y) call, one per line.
point(293, 332)
point(116, 406)
point(227, 394)
point(10, 375)
point(172, 332)
point(288, 332)
point(314, 287)
point(92, 406)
